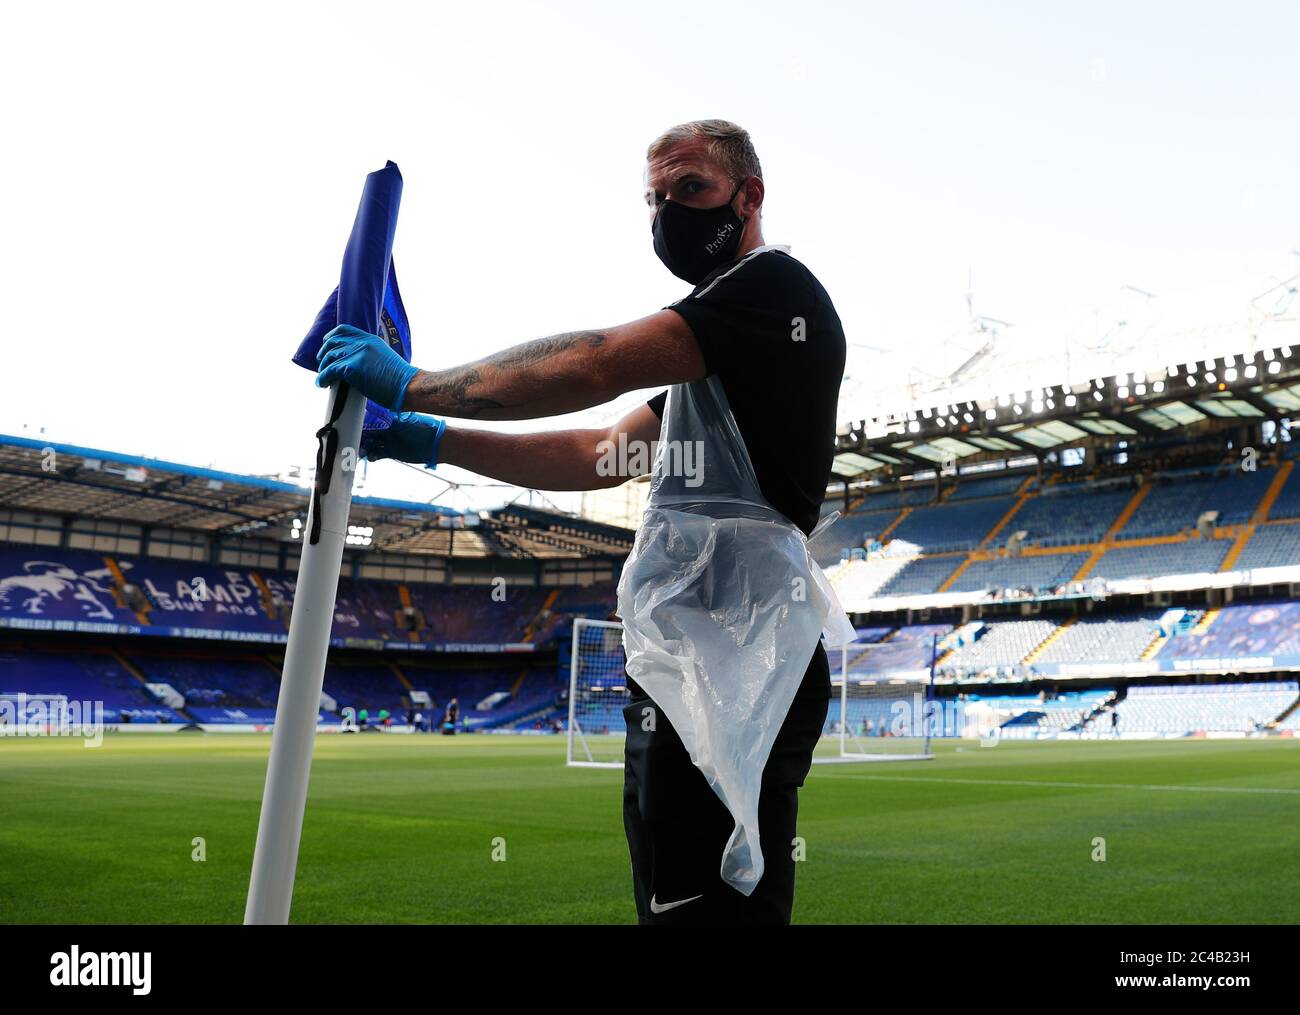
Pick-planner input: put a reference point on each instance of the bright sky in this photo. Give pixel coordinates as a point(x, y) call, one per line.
point(178, 182)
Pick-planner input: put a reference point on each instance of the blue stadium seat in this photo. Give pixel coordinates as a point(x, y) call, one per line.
point(1063, 515)
point(1271, 546)
point(1033, 571)
point(995, 486)
point(960, 526)
point(923, 575)
point(1287, 504)
point(1194, 556)
point(1177, 500)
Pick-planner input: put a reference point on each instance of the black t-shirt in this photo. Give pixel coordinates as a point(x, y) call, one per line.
point(769, 331)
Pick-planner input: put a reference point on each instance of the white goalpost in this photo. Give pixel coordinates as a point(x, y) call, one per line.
point(33, 715)
point(597, 693)
point(874, 714)
point(879, 712)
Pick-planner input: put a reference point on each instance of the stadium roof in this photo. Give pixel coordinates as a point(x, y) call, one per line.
point(1158, 371)
point(1264, 387)
point(1152, 341)
point(46, 477)
point(1222, 393)
point(526, 532)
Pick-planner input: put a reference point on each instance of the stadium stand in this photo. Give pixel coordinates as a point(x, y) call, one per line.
point(1030, 716)
point(372, 687)
point(366, 610)
point(216, 689)
point(945, 527)
point(1179, 497)
point(1242, 630)
point(910, 496)
point(997, 486)
point(83, 677)
point(1156, 539)
point(595, 602)
point(850, 532)
point(474, 613)
point(1025, 571)
point(1236, 634)
point(1270, 546)
point(472, 685)
point(1287, 504)
point(1066, 514)
point(1121, 638)
point(223, 689)
point(861, 579)
point(39, 585)
point(1190, 556)
point(1005, 643)
point(922, 575)
point(906, 650)
point(392, 635)
point(922, 632)
point(1216, 708)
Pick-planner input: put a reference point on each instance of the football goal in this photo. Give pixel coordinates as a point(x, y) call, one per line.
point(597, 694)
point(882, 703)
point(34, 714)
point(882, 706)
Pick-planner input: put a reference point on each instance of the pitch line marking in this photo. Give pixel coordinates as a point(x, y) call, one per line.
point(1076, 785)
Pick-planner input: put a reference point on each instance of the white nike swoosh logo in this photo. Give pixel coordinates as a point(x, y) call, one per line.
point(663, 907)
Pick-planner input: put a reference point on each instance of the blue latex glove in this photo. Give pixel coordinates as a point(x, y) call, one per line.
point(412, 438)
point(366, 362)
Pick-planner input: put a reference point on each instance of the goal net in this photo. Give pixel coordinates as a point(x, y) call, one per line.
point(877, 712)
point(33, 714)
point(597, 694)
point(882, 704)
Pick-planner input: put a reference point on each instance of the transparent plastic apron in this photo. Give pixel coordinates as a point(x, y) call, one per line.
point(722, 608)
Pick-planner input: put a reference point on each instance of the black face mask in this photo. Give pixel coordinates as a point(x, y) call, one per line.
point(693, 241)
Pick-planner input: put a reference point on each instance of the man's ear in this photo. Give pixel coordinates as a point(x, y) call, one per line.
point(751, 197)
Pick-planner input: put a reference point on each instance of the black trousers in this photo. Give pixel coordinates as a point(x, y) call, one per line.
point(677, 827)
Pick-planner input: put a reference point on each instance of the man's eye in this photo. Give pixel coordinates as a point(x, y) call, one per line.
point(693, 187)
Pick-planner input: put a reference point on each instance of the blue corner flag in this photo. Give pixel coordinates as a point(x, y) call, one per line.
point(355, 300)
point(366, 298)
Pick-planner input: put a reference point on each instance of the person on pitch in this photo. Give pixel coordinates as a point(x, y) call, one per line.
point(704, 190)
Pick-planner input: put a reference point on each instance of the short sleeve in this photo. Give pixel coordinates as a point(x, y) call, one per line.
point(745, 309)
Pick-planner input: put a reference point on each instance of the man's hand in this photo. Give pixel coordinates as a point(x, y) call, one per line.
point(367, 363)
point(411, 438)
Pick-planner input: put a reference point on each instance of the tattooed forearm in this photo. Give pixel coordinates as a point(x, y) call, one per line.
point(541, 349)
point(447, 392)
point(563, 373)
point(536, 378)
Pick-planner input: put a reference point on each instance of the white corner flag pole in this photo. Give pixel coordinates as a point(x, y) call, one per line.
point(359, 301)
point(284, 801)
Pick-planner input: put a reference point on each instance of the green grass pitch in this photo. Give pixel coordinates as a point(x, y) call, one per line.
point(402, 829)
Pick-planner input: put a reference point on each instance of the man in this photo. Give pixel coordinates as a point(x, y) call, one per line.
point(762, 323)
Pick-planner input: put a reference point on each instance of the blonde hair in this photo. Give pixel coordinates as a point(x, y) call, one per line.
point(727, 143)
